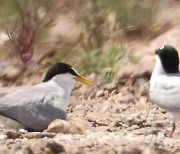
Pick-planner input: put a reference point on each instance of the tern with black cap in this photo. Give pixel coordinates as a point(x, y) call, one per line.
point(165, 82)
point(36, 106)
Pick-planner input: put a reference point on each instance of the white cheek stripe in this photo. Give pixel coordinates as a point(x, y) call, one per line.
point(75, 71)
point(162, 47)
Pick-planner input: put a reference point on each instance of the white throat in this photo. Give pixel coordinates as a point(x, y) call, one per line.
point(158, 69)
point(65, 81)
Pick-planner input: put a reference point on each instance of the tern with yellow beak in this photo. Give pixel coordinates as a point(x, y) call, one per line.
point(36, 106)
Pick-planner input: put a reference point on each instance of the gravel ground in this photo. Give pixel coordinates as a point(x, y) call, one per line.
point(120, 121)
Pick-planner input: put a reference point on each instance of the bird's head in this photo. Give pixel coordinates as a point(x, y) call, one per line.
point(168, 57)
point(65, 73)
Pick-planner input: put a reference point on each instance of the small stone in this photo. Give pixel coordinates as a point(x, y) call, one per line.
point(48, 146)
point(3, 137)
point(67, 137)
point(159, 125)
point(36, 135)
point(12, 134)
point(21, 149)
point(133, 127)
point(23, 131)
point(100, 93)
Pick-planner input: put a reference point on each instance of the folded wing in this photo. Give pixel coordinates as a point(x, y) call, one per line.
point(28, 106)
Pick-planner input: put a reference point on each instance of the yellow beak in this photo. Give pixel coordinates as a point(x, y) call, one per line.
point(84, 80)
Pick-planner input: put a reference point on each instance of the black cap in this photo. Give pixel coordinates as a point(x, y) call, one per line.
point(59, 68)
point(169, 58)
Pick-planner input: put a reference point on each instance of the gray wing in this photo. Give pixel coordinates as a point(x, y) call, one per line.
point(3, 94)
point(29, 107)
point(7, 91)
point(8, 123)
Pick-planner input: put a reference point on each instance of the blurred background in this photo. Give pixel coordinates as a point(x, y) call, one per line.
point(107, 40)
point(110, 41)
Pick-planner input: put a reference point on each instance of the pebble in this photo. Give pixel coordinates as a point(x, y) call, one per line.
point(21, 149)
point(133, 127)
point(159, 125)
point(47, 146)
point(100, 93)
point(3, 137)
point(67, 137)
point(23, 131)
point(12, 134)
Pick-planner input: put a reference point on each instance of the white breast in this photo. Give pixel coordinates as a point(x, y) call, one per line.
point(165, 89)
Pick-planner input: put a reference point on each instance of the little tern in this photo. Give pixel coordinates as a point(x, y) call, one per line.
point(37, 106)
point(165, 82)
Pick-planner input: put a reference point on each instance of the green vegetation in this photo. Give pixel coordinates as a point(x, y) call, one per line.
point(104, 63)
point(21, 21)
point(106, 21)
point(104, 26)
point(130, 13)
point(133, 59)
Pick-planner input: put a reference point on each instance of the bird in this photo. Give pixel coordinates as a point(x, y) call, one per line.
point(73, 126)
point(165, 83)
point(38, 105)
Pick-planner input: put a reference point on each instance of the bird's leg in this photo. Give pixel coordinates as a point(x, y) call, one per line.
point(170, 134)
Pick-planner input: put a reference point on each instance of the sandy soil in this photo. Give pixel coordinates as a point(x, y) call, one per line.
point(121, 121)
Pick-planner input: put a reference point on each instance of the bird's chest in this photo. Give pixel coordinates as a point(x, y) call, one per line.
point(159, 93)
point(164, 96)
point(57, 100)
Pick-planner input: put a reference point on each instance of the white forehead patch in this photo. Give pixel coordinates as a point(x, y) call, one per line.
point(74, 70)
point(162, 47)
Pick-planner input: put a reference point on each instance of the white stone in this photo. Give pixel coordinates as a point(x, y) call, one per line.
point(3, 137)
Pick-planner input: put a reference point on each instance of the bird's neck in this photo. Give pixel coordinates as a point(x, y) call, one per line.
point(158, 69)
point(157, 72)
point(65, 82)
